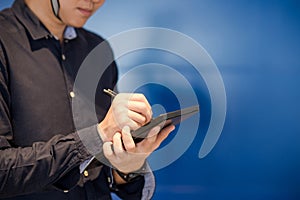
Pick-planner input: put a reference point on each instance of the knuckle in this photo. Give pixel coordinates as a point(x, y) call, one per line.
point(139, 96)
point(118, 109)
point(118, 153)
point(116, 136)
point(143, 119)
point(134, 126)
point(144, 106)
point(120, 156)
point(142, 96)
point(108, 154)
point(123, 120)
point(130, 147)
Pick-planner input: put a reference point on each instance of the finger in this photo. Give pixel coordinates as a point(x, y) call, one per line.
point(107, 150)
point(133, 125)
point(124, 120)
point(152, 135)
point(136, 103)
point(137, 117)
point(132, 97)
point(137, 97)
point(117, 144)
point(163, 134)
point(139, 103)
point(128, 140)
point(142, 108)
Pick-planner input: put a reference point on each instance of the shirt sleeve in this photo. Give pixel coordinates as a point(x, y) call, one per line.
point(29, 169)
point(149, 186)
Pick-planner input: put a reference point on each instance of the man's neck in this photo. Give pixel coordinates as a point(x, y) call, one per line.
point(42, 9)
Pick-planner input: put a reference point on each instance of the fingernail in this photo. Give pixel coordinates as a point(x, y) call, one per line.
point(173, 128)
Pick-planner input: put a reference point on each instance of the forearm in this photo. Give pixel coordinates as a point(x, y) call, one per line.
point(30, 169)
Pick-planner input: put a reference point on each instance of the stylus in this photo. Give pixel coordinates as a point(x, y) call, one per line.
point(110, 92)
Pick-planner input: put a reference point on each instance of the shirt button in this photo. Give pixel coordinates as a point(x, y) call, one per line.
point(86, 173)
point(72, 94)
point(63, 57)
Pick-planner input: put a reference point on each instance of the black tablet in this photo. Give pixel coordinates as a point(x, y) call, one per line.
point(164, 120)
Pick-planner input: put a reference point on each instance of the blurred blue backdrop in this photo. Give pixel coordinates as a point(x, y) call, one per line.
point(256, 46)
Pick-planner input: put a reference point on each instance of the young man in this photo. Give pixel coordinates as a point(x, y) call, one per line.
point(42, 46)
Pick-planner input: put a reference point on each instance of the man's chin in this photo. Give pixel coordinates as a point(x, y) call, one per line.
point(77, 23)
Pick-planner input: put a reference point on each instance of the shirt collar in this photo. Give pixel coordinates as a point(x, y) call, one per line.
point(33, 25)
point(70, 33)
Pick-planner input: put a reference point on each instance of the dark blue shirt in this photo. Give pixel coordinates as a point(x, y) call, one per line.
point(40, 147)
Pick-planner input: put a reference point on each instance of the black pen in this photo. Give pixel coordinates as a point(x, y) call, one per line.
point(110, 92)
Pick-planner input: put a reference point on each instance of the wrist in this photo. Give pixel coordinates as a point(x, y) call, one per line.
point(122, 178)
point(118, 179)
point(104, 132)
point(125, 177)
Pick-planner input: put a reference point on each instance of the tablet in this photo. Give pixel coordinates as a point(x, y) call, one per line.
point(163, 120)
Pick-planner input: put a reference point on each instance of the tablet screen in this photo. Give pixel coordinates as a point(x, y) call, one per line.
point(164, 120)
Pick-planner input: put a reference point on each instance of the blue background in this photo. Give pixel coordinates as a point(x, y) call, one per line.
point(255, 45)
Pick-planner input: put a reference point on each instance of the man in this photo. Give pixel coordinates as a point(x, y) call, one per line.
point(42, 46)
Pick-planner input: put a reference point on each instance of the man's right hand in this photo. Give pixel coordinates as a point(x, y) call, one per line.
point(131, 110)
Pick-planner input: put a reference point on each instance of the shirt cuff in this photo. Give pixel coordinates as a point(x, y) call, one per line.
point(91, 140)
point(85, 164)
point(149, 185)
